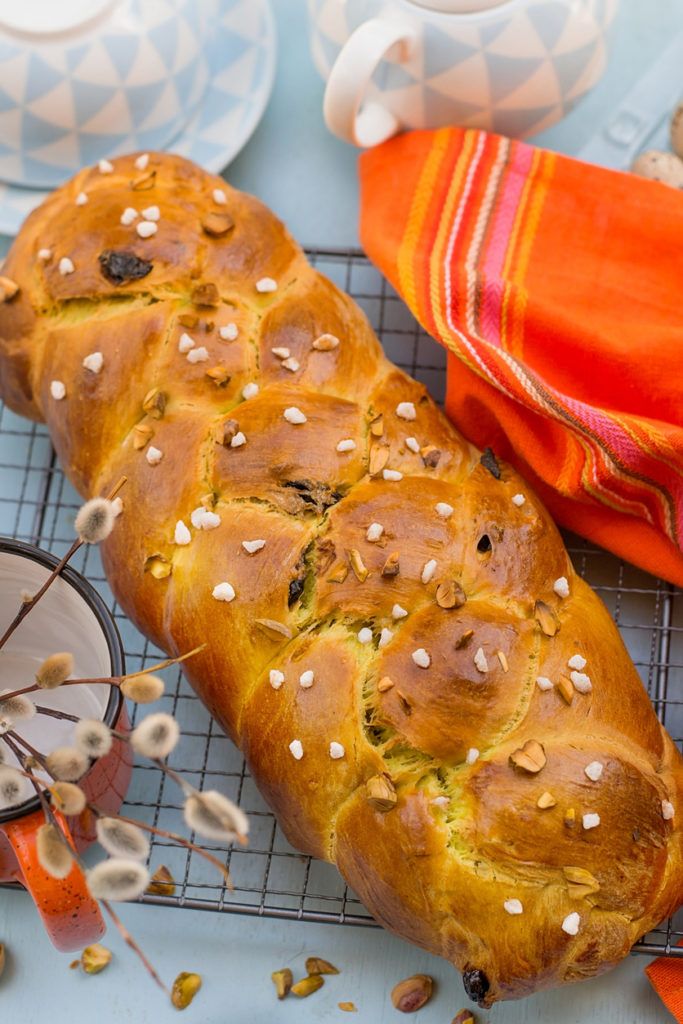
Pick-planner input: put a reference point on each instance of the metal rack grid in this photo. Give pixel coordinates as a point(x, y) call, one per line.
point(270, 878)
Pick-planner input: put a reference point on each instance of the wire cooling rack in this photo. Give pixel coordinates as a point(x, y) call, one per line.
point(270, 878)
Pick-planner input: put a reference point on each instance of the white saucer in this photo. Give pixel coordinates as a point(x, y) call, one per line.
point(241, 59)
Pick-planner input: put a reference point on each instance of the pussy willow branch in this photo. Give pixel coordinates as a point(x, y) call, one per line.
point(13, 739)
point(130, 941)
point(28, 605)
point(108, 680)
point(56, 713)
point(176, 838)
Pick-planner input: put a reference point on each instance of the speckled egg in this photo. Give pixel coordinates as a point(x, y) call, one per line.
point(659, 166)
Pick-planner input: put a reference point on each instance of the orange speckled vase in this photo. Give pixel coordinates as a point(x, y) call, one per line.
point(71, 916)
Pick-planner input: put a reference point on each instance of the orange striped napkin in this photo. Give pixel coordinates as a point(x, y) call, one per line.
point(666, 977)
point(557, 289)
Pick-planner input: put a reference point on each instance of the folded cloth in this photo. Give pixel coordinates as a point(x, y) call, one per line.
point(557, 288)
point(666, 977)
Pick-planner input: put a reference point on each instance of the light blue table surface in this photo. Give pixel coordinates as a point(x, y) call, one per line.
point(309, 179)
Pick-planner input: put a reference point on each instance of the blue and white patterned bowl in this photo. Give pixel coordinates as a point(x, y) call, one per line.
point(103, 78)
point(239, 60)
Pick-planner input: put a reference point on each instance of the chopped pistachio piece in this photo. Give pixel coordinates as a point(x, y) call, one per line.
point(282, 980)
point(162, 882)
point(95, 958)
point(307, 986)
point(316, 965)
point(530, 758)
point(411, 994)
point(380, 793)
point(185, 988)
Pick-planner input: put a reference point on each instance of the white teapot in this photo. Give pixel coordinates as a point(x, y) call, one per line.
point(510, 66)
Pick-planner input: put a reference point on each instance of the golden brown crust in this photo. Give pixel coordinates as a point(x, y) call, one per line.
point(466, 834)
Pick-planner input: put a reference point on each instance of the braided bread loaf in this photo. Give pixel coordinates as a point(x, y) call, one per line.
point(426, 693)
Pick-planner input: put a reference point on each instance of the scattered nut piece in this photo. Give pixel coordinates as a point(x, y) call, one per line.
point(154, 403)
point(307, 986)
point(411, 994)
point(162, 882)
point(158, 566)
point(450, 594)
point(358, 566)
point(406, 706)
point(206, 295)
point(464, 1017)
point(143, 182)
point(503, 660)
point(464, 639)
point(185, 988)
point(219, 375)
point(230, 430)
point(546, 618)
point(379, 456)
point(581, 882)
point(142, 435)
point(430, 456)
point(217, 224)
point(380, 793)
point(546, 800)
point(565, 689)
point(271, 626)
point(316, 965)
point(348, 1007)
point(385, 684)
point(325, 343)
point(282, 980)
point(188, 320)
point(570, 817)
point(530, 758)
point(339, 573)
point(391, 566)
point(95, 958)
point(377, 426)
point(8, 289)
